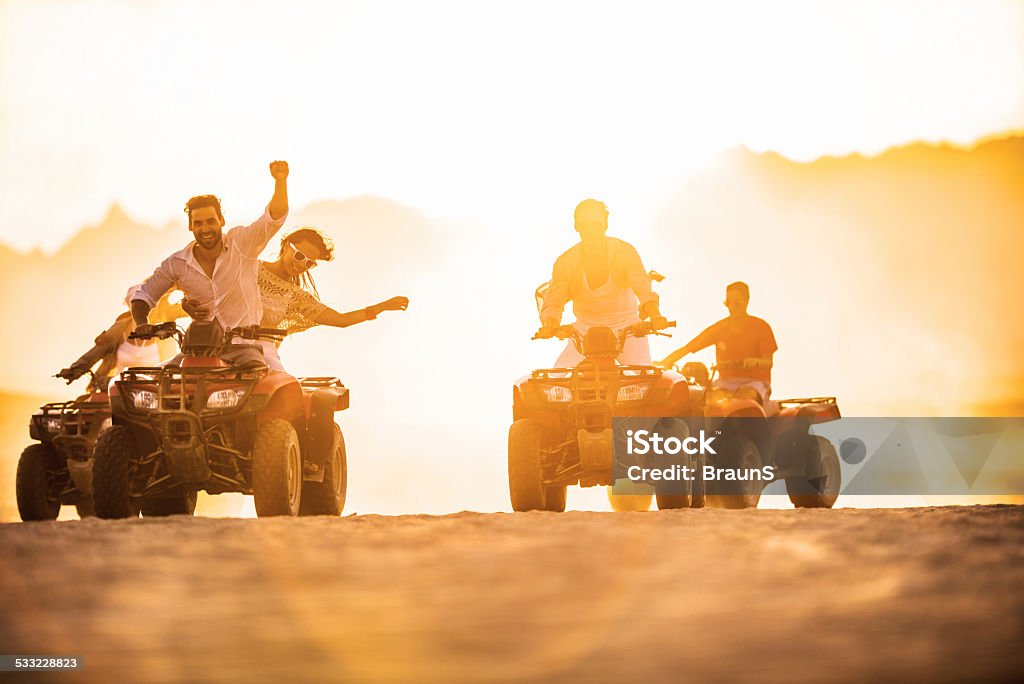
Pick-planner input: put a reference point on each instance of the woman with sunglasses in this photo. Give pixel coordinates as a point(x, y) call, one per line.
point(290, 298)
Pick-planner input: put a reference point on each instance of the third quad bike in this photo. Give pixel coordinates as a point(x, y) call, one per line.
point(562, 431)
point(775, 433)
point(58, 468)
point(209, 425)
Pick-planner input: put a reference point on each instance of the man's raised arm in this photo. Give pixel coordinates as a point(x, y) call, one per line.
point(254, 237)
point(278, 206)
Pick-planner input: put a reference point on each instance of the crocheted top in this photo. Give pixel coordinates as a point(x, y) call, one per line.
point(286, 305)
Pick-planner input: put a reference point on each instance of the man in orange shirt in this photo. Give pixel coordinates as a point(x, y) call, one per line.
point(744, 347)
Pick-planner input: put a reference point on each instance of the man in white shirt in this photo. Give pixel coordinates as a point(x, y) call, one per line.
point(218, 271)
point(607, 284)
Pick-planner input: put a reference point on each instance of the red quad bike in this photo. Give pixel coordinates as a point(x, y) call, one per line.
point(776, 433)
point(562, 430)
point(57, 470)
point(212, 426)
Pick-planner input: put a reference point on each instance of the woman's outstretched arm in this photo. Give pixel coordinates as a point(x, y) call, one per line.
point(342, 320)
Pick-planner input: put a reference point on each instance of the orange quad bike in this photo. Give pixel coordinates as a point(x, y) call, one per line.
point(753, 435)
point(57, 469)
point(562, 429)
point(213, 426)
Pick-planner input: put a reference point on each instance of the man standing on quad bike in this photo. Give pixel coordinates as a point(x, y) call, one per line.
point(744, 348)
point(217, 272)
point(115, 351)
point(607, 284)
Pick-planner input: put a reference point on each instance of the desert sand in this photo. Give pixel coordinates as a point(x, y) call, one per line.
point(921, 594)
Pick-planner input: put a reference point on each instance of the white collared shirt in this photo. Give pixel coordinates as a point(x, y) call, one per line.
point(231, 295)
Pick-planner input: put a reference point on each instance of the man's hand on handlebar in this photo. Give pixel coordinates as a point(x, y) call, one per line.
point(72, 373)
point(147, 331)
point(649, 328)
point(143, 331)
point(659, 322)
point(562, 332)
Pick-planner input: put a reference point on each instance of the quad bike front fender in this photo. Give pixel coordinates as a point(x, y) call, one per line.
point(323, 403)
point(285, 399)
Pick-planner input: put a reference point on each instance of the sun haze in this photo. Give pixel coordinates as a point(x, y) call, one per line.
point(453, 107)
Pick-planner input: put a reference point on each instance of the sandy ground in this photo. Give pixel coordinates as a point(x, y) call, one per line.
point(925, 594)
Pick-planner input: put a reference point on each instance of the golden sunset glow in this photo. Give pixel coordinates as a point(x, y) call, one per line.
point(465, 133)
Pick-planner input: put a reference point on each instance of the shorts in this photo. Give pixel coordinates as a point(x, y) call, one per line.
point(762, 388)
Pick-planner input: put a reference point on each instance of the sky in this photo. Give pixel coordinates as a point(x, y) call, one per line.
point(479, 111)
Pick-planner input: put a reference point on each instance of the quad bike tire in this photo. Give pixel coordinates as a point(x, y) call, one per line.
point(554, 499)
point(669, 502)
point(32, 483)
point(822, 490)
point(277, 469)
point(737, 451)
point(181, 503)
point(85, 508)
point(698, 488)
point(525, 481)
point(328, 497)
point(112, 458)
point(695, 499)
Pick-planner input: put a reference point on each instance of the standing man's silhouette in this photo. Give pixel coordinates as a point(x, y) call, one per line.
point(607, 284)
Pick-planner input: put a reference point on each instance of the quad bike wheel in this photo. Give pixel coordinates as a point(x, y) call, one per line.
point(113, 455)
point(32, 484)
point(739, 452)
point(821, 489)
point(182, 502)
point(85, 508)
point(328, 497)
point(525, 482)
point(668, 502)
point(698, 487)
point(276, 469)
point(554, 499)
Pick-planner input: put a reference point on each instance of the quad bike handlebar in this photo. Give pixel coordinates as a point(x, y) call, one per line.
point(255, 332)
point(72, 373)
point(160, 331)
point(163, 331)
point(568, 332)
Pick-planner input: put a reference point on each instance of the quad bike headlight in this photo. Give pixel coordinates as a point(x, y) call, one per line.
point(143, 399)
point(634, 392)
point(225, 398)
point(558, 394)
point(51, 424)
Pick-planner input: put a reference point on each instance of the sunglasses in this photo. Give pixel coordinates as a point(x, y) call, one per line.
point(302, 258)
